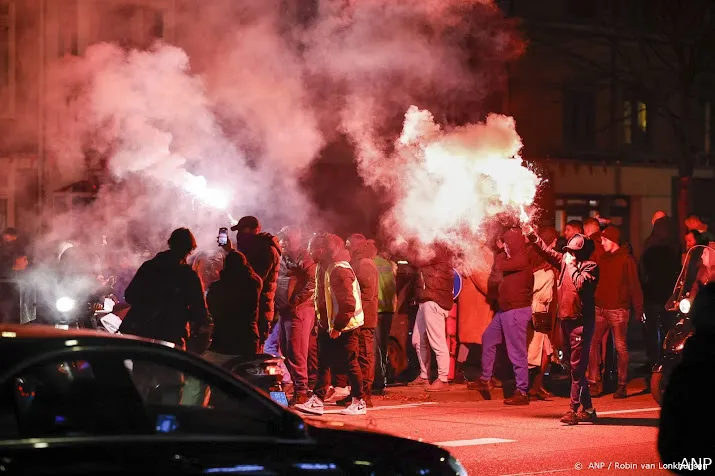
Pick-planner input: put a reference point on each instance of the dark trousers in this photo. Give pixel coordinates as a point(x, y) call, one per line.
point(382, 338)
point(313, 357)
point(340, 355)
point(578, 334)
point(295, 344)
point(366, 358)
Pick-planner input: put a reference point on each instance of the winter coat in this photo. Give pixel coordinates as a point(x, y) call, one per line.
point(474, 309)
point(517, 284)
point(233, 302)
point(366, 271)
point(681, 424)
point(619, 286)
point(576, 286)
point(386, 285)
point(342, 283)
point(435, 282)
point(166, 297)
point(263, 252)
point(659, 264)
point(296, 282)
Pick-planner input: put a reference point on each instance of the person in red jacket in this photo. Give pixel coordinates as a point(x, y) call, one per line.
point(619, 291)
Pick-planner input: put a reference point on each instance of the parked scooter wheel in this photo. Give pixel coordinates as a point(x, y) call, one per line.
point(657, 387)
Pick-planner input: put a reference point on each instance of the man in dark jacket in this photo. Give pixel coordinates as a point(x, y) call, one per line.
point(659, 267)
point(296, 308)
point(362, 253)
point(682, 434)
point(618, 291)
point(263, 252)
point(435, 294)
point(340, 315)
point(166, 295)
point(576, 289)
point(512, 320)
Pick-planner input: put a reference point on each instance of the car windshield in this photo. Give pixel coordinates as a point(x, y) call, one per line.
point(698, 269)
point(104, 394)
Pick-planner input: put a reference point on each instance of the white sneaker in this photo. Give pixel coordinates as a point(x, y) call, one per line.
point(357, 407)
point(338, 394)
point(314, 406)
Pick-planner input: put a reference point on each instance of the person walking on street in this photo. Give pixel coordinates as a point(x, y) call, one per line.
point(386, 308)
point(340, 315)
point(435, 295)
point(576, 288)
point(618, 291)
point(514, 314)
point(362, 253)
point(263, 252)
point(297, 309)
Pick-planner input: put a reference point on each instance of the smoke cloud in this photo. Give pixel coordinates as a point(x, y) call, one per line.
point(231, 115)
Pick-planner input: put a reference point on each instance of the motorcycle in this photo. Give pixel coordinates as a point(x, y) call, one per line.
point(696, 271)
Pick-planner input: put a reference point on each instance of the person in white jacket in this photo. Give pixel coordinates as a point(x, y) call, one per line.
point(540, 348)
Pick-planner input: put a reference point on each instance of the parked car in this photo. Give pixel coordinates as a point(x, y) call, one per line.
point(89, 402)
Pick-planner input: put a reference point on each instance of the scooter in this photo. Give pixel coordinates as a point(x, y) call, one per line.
point(680, 302)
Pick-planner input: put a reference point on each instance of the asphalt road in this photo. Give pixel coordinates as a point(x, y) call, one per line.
point(490, 438)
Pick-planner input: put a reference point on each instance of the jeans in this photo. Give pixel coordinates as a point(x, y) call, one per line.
point(382, 338)
point(272, 347)
point(339, 354)
point(617, 321)
point(578, 335)
point(430, 333)
point(509, 327)
point(366, 338)
point(295, 342)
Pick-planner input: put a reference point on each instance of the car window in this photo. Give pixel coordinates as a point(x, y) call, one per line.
point(114, 394)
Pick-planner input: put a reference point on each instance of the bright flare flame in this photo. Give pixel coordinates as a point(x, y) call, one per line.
point(451, 182)
point(65, 304)
point(196, 185)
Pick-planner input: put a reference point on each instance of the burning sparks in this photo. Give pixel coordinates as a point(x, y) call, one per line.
point(196, 185)
point(451, 182)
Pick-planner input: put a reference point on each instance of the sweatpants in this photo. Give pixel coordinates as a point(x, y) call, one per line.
point(430, 333)
point(509, 327)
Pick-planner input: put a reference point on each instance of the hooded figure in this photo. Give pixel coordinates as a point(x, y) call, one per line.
point(263, 252)
point(233, 302)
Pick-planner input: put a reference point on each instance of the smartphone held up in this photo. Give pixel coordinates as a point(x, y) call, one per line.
point(222, 236)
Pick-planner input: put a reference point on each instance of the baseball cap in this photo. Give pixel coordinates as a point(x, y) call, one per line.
point(576, 243)
point(246, 222)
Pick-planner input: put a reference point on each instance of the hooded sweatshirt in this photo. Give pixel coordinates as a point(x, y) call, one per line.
point(263, 252)
point(517, 285)
point(362, 257)
point(619, 286)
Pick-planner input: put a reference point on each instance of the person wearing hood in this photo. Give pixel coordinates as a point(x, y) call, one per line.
point(166, 295)
point(575, 291)
point(295, 305)
point(362, 254)
point(263, 252)
point(658, 270)
point(340, 316)
point(513, 316)
point(683, 430)
point(618, 291)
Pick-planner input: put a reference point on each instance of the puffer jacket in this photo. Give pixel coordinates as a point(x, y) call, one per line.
point(576, 285)
point(435, 282)
point(341, 281)
point(263, 252)
point(362, 262)
point(517, 284)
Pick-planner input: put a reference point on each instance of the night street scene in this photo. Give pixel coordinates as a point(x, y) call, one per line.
point(369, 237)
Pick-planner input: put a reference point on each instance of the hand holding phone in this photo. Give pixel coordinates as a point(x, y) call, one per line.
point(222, 236)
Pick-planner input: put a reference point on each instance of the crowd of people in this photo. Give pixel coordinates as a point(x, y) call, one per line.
point(326, 305)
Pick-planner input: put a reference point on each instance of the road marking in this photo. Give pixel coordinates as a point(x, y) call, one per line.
point(382, 407)
point(635, 410)
point(548, 471)
point(475, 442)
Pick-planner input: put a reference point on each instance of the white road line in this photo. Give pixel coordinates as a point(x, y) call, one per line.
point(548, 471)
point(635, 410)
point(475, 442)
point(381, 407)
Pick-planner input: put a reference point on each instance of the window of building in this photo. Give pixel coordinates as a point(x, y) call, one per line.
point(579, 119)
point(635, 122)
point(7, 58)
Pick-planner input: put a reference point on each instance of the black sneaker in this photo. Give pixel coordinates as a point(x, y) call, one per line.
point(585, 416)
point(570, 418)
point(621, 392)
point(344, 402)
point(517, 399)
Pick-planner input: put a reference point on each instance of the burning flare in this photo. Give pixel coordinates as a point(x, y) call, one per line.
point(449, 183)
